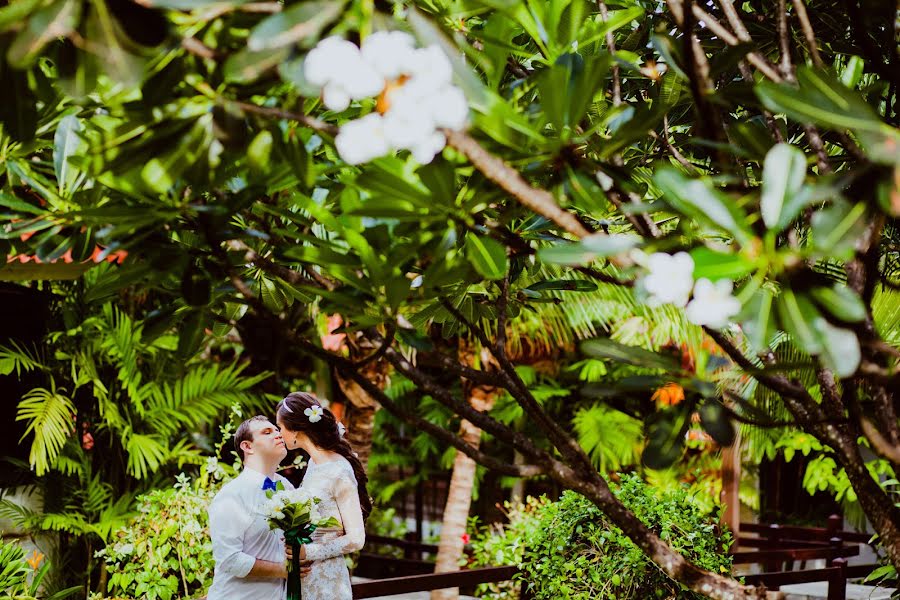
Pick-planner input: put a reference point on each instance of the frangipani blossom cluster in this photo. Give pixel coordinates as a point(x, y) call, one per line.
point(670, 280)
point(416, 96)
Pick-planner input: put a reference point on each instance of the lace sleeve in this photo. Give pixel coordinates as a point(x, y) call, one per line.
point(347, 498)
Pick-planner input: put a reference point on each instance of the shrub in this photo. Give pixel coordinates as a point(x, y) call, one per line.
point(166, 552)
point(568, 549)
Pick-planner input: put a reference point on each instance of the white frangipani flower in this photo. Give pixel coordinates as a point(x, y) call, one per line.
point(713, 304)
point(389, 53)
point(337, 66)
point(314, 413)
point(670, 279)
point(416, 95)
point(362, 140)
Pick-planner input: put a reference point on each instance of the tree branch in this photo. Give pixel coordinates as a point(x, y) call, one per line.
point(511, 181)
point(567, 446)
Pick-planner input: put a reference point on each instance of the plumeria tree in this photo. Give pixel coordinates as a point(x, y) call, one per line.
point(430, 168)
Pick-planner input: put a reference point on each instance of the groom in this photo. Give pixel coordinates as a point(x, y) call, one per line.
point(250, 557)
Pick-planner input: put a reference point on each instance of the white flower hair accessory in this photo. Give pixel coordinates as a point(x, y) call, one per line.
point(314, 413)
point(341, 429)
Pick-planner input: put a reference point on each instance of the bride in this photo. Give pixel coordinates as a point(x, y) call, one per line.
point(336, 476)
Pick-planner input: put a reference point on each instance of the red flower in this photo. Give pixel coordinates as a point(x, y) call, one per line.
point(465, 538)
point(87, 440)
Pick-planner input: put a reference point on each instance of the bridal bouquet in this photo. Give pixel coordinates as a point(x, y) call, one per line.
point(295, 512)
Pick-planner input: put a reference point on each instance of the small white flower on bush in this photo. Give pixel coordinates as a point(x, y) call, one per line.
point(670, 279)
point(314, 413)
point(713, 304)
point(416, 95)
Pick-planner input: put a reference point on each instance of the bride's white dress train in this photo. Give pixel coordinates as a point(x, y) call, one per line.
point(335, 483)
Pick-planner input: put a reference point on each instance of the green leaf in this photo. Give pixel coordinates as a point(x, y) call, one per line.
point(715, 421)
point(840, 352)
point(701, 200)
point(55, 21)
point(66, 143)
point(783, 173)
point(301, 24)
point(632, 355)
point(247, 66)
point(665, 438)
point(487, 255)
point(714, 265)
point(756, 320)
point(588, 249)
point(819, 98)
point(841, 302)
point(836, 229)
point(570, 285)
point(798, 317)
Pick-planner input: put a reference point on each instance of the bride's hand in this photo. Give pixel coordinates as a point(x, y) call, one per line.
point(304, 564)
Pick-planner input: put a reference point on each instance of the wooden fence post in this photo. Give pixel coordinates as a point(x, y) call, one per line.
point(837, 583)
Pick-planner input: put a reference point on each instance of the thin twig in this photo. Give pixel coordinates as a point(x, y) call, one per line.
point(784, 42)
point(754, 58)
point(278, 113)
point(611, 46)
point(808, 33)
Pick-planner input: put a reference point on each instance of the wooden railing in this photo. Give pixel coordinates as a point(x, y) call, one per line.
point(777, 549)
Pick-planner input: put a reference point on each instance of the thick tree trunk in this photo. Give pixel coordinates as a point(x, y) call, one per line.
point(459, 497)
point(359, 415)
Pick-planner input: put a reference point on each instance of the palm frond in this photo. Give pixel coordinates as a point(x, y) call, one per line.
point(121, 340)
point(49, 417)
point(16, 357)
point(203, 394)
point(886, 313)
point(145, 454)
point(612, 439)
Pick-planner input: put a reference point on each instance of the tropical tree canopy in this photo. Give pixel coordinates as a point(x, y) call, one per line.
point(441, 169)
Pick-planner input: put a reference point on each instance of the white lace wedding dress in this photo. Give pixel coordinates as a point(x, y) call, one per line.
point(335, 483)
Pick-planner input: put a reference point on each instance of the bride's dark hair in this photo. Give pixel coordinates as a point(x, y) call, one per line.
point(325, 434)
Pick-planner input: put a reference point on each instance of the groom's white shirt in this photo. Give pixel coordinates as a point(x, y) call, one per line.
point(240, 535)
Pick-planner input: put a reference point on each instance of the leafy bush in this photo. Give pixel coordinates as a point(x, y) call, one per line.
point(569, 549)
point(166, 552)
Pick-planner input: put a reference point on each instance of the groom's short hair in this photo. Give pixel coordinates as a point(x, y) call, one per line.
point(245, 433)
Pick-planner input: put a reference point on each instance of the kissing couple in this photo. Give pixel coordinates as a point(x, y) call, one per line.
point(250, 558)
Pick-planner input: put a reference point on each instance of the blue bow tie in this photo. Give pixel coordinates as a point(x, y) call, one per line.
point(268, 484)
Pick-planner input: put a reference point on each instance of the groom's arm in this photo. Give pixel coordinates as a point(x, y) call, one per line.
point(226, 528)
point(267, 568)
